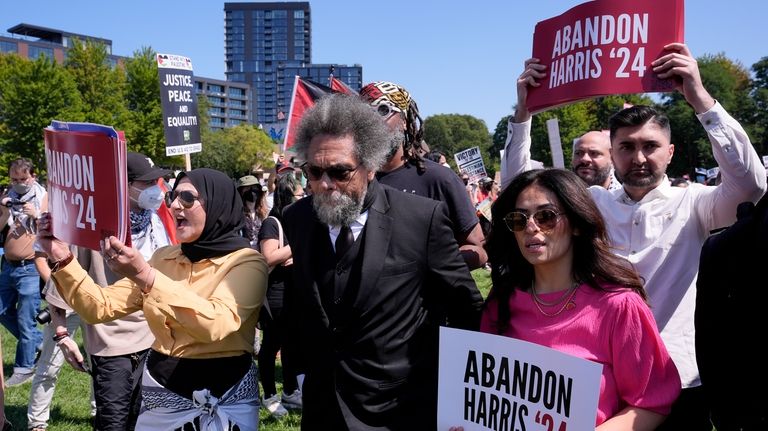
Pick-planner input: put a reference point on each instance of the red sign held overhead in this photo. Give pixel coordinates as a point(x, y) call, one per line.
point(604, 47)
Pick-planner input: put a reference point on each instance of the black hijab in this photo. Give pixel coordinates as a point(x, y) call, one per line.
point(223, 215)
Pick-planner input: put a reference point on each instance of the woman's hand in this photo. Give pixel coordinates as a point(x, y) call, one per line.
point(122, 259)
point(55, 248)
point(127, 262)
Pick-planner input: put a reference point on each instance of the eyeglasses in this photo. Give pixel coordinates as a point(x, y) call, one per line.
point(545, 219)
point(186, 198)
point(386, 110)
point(315, 173)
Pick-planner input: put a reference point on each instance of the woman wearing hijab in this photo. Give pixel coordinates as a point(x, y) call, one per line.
point(201, 300)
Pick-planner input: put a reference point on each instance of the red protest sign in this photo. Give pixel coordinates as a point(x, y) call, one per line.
point(87, 183)
point(604, 47)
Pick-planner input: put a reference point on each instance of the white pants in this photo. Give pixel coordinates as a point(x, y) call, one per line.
point(46, 373)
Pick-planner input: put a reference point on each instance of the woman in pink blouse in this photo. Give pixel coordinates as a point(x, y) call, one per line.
point(556, 283)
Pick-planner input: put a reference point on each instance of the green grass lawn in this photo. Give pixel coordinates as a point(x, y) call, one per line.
point(71, 403)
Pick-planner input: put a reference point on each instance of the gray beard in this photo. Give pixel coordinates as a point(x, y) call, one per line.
point(396, 141)
point(337, 209)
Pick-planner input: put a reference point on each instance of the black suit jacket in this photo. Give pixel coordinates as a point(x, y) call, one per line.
point(730, 325)
point(371, 363)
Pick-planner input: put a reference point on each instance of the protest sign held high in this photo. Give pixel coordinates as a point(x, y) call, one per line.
point(470, 162)
point(87, 183)
point(604, 47)
point(179, 101)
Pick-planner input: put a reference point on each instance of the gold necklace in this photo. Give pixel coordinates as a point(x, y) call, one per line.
point(566, 299)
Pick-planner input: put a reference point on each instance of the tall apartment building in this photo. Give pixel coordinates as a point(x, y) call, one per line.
point(230, 102)
point(266, 45)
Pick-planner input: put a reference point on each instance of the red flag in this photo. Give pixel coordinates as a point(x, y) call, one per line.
point(340, 86)
point(165, 215)
point(305, 93)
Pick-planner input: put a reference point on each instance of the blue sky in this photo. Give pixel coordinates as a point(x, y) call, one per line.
point(453, 56)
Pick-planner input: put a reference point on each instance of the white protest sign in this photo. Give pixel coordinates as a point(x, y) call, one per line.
point(470, 162)
point(553, 131)
point(491, 382)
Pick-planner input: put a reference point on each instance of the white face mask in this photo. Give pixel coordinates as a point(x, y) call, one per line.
point(151, 198)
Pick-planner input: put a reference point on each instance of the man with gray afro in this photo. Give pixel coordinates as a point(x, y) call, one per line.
point(375, 272)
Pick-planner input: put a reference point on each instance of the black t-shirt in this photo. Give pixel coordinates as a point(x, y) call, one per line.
point(439, 183)
point(279, 275)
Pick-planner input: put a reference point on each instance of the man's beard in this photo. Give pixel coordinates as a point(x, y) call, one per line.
point(597, 177)
point(336, 208)
point(396, 141)
point(651, 178)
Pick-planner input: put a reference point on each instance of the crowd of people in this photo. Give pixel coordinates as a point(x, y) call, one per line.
point(348, 258)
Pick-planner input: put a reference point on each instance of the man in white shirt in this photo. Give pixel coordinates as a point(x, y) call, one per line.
point(591, 159)
point(660, 228)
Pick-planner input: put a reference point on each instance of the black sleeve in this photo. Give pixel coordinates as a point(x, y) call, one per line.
point(269, 230)
point(463, 302)
point(460, 209)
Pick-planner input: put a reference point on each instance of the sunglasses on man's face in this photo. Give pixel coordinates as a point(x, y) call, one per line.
point(315, 173)
point(545, 219)
point(186, 198)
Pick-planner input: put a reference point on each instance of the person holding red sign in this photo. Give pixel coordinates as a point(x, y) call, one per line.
point(201, 299)
point(660, 228)
point(591, 159)
point(560, 286)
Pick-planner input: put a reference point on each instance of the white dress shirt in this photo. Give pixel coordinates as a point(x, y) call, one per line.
point(356, 227)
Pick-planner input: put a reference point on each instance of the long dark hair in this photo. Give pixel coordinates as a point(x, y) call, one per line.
point(593, 261)
point(285, 188)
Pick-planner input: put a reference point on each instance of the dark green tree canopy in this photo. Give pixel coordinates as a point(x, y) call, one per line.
point(451, 133)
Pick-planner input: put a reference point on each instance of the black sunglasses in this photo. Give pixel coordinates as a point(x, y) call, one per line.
point(315, 173)
point(186, 198)
point(545, 219)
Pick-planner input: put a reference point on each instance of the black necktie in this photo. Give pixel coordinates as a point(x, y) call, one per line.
point(344, 241)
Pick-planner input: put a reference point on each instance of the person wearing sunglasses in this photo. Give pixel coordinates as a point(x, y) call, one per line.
point(407, 170)
point(374, 271)
point(557, 283)
point(201, 299)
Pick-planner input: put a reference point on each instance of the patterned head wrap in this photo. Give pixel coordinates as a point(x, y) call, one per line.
point(398, 99)
point(384, 92)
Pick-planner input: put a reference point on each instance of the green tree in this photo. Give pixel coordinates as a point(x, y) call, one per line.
point(730, 84)
point(32, 93)
point(235, 150)
point(759, 95)
point(452, 133)
point(101, 87)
